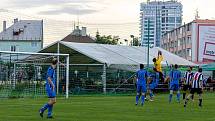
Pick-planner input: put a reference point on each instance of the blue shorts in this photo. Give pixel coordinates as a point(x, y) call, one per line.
point(141, 89)
point(174, 87)
point(153, 86)
point(51, 93)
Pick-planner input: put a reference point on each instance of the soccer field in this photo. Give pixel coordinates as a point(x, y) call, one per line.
point(109, 108)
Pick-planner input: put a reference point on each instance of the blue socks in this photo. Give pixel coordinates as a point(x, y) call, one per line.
point(143, 99)
point(170, 98)
point(137, 99)
point(178, 97)
point(44, 107)
point(49, 107)
point(151, 94)
point(50, 110)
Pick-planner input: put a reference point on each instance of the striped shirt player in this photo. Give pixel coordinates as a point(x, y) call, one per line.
point(187, 81)
point(196, 87)
point(188, 77)
point(197, 82)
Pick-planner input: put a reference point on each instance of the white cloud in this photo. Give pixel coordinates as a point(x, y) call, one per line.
point(69, 9)
point(38, 3)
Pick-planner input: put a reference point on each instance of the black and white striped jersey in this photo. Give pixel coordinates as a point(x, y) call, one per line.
point(188, 77)
point(197, 81)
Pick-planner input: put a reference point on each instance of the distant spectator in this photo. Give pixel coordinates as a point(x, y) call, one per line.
point(209, 80)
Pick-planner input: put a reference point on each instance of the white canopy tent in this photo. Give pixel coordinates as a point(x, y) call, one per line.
point(117, 54)
point(112, 56)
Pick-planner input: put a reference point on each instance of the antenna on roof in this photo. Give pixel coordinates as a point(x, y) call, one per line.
point(197, 14)
point(78, 20)
point(74, 26)
point(78, 17)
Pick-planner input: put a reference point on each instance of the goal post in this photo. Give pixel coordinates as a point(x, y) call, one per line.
point(23, 74)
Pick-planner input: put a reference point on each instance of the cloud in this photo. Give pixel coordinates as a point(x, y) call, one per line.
point(3, 10)
point(39, 3)
point(69, 10)
point(56, 7)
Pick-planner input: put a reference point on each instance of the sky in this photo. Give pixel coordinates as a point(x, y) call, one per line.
point(114, 17)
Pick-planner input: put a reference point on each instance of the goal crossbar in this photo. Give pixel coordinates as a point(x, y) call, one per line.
point(30, 53)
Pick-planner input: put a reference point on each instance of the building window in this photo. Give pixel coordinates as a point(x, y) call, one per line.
point(13, 48)
point(176, 43)
point(163, 20)
point(179, 42)
point(189, 52)
point(149, 36)
point(189, 27)
point(166, 19)
point(189, 40)
point(34, 44)
point(178, 19)
point(171, 20)
point(181, 30)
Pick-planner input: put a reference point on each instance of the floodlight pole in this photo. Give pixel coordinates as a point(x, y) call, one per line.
point(104, 78)
point(58, 51)
point(67, 77)
point(148, 44)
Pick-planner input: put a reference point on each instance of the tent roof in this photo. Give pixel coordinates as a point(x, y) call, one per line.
point(120, 55)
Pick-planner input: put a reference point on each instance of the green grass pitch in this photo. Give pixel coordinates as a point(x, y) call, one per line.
point(109, 108)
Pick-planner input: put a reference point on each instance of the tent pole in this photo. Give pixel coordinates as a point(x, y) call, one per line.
point(67, 77)
point(104, 78)
point(58, 51)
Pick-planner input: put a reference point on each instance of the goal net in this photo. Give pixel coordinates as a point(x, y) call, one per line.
point(23, 74)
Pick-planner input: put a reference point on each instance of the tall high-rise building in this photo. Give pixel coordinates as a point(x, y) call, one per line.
point(157, 18)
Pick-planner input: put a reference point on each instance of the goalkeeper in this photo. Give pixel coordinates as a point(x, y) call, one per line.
point(157, 64)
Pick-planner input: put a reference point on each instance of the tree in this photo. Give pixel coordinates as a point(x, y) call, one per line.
point(107, 39)
point(126, 41)
point(135, 41)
